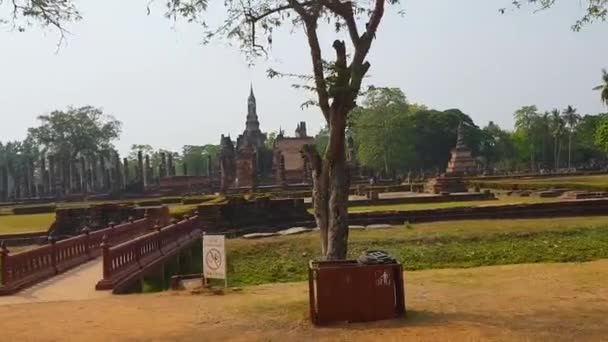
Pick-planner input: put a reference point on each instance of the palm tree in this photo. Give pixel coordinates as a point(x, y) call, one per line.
point(557, 129)
point(603, 88)
point(544, 123)
point(571, 118)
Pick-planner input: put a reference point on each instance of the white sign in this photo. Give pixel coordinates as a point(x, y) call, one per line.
point(214, 257)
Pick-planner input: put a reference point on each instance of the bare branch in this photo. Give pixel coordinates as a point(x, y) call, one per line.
point(358, 69)
point(264, 14)
point(345, 10)
point(317, 59)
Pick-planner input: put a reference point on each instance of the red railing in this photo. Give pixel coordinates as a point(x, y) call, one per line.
point(128, 259)
point(30, 267)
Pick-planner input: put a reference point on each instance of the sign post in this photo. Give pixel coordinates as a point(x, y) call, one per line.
point(214, 258)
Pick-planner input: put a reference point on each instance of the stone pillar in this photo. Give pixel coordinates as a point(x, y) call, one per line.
point(33, 187)
point(107, 180)
point(94, 178)
point(148, 173)
point(125, 173)
point(104, 174)
point(140, 168)
point(52, 190)
point(83, 176)
point(209, 166)
point(26, 180)
point(43, 177)
point(62, 176)
point(1, 183)
point(89, 179)
point(170, 166)
point(117, 173)
point(69, 176)
point(162, 168)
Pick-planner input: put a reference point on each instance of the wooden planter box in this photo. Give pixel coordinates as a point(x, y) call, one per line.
point(348, 291)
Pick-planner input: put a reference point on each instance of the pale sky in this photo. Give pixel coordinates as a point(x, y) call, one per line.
point(170, 90)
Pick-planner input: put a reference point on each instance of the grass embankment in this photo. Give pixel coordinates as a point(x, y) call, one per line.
point(429, 245)
point(12, 224)
point(502, 200)
point(592, 183)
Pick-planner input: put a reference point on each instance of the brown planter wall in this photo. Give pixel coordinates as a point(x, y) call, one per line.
point(349, 291)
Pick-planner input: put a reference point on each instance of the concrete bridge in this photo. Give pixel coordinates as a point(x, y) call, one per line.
point(96, 264)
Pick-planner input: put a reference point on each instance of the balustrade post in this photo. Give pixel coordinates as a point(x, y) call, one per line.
point(174, 232)
point(107, 263)
point(52, 241)
point(3, 263)
point(113, 235)
point(147, 218)
point(87, 242)
point(138, 253)
point(188, 224)
point(159, 238)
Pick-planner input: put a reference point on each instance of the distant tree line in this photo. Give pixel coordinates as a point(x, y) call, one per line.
point(391, 135)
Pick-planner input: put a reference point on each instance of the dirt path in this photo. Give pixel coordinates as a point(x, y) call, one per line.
point(540, 302)
point(75, 284)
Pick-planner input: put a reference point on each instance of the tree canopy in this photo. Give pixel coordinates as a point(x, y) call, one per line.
point(76, 131)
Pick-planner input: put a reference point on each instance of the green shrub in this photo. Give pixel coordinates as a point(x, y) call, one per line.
point(215, 200)
point(171, 200)
point(150, 203)
point(35, 209)
point(198, 199)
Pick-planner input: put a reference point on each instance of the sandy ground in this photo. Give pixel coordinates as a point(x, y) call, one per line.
point(75, 284)
point(539, 302)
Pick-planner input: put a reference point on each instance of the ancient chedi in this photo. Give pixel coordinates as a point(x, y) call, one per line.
point(250, 163)
point(461, 163)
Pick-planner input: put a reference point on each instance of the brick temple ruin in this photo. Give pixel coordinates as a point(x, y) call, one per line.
point(249, 162)
point(461, 164)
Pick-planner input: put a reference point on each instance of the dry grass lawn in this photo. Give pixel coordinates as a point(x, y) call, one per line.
point(531, 302)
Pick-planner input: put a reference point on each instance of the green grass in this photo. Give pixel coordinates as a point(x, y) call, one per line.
point(10, 224)
point(595, 182)
point(502, 200)
point(179, 210)
point(429, 245)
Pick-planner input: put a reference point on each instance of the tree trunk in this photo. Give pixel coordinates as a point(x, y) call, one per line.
point(532, 152)
point(330, 191)
point(338, 184)
point(320, 180)
point(569, 150)
point(555, 158)
point(559, 152)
